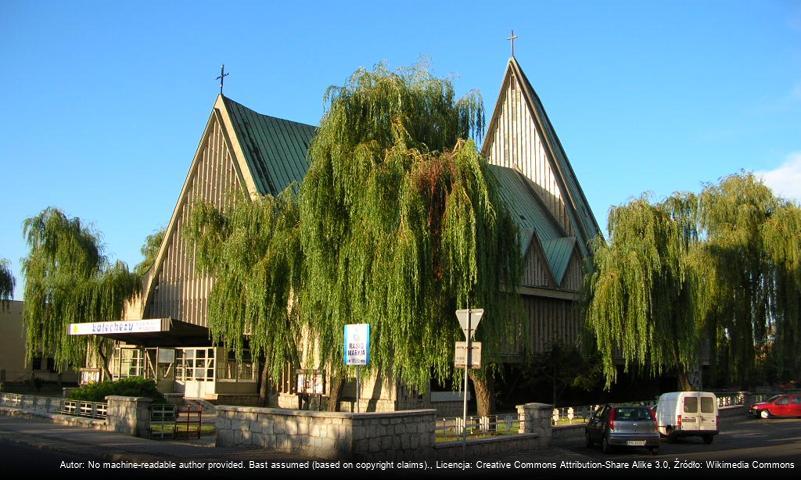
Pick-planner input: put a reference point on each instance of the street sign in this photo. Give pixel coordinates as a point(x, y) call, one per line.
point(357, 344)
point(475, 317)
point(460, 354)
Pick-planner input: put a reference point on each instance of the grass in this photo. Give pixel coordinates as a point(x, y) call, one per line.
point(473, 433)
point(564, 422)
point(159, 428)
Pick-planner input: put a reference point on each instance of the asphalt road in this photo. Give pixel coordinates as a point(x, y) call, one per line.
point(740, 438)
point(18, 458)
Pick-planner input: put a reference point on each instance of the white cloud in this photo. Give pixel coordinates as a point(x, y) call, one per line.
point(785, 180)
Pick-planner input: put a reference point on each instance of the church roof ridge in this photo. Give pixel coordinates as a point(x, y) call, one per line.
point(275, 149)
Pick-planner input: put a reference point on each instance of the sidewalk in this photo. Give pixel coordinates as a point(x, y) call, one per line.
point(113, 446)
point(84, 445)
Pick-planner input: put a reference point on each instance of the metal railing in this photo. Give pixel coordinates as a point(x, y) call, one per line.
point(579, 414)
point(189, 421)
point(162, 421)
point(169, 421)
point(452, 428)
point(83, 408)
point(12, 400)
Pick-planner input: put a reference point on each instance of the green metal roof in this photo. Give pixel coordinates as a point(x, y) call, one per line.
point(587, 223)
point(276, 150)
point(533, 219)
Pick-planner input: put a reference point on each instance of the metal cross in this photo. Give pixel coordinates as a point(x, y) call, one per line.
point(222, 76)
point(512, 39)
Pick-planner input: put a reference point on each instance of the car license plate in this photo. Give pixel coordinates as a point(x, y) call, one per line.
point(636, 443)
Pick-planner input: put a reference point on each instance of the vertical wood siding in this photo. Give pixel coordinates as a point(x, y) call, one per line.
point(574, 276)
point(535, 269)
point(551, 320)
point(180, 291)
point(515, 143)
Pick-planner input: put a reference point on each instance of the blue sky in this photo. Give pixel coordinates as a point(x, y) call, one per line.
point(104, 102)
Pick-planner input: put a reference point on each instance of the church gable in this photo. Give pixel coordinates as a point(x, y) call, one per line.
point(521, 137)
point(177, 289)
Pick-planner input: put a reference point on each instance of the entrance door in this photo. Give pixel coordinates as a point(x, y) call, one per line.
point(151, 362)
point(195, 372)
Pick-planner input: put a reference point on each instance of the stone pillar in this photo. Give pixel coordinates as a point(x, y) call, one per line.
point(748, 400)
point(536, 418)
point(129, 415)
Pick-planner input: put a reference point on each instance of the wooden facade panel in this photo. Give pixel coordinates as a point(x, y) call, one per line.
point(574, 276)
point(180, 290)
point(547, 321)
point(551, 321)
point(535, 269)
point(516, 143)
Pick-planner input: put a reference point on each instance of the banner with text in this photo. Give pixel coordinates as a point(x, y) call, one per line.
point(357, 344)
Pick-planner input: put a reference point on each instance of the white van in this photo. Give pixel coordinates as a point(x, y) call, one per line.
point(681, 414)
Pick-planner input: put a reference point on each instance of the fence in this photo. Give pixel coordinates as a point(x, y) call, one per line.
point(579, 414)
point(162, 421)
point(82, 408)
point(169, 421)
point(452, 428)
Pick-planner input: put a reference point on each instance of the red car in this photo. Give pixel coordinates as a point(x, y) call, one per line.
point(785, 405)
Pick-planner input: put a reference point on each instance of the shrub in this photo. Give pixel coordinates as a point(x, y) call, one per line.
point(127, 387)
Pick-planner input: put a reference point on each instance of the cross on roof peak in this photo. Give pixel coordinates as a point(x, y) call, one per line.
point(222, 76)
point(512, 39)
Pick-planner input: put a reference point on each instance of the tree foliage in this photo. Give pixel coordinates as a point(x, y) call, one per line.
point(7, 281)
point(68, 280)
point(150, 250)
point(720, 268)
point(642, 287)
point(401, 223)
point(253, 252)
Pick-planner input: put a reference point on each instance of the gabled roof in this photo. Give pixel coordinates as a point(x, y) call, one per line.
point(268, 153)
point(534, 220)
point(275, 149)
point(578, 208)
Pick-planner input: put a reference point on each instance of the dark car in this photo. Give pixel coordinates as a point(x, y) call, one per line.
point(623, 426)
point(786, 405)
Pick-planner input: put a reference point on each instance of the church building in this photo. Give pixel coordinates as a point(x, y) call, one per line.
point(165, 335)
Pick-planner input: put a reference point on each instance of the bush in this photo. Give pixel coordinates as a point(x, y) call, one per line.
point(126, 387)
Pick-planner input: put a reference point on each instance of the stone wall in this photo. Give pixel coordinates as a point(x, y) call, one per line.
point(31, 404)
point(487, 446)
point(536, 418)
point(129, 415)
point(403, 434)
point(407, 434)
point(568, 435)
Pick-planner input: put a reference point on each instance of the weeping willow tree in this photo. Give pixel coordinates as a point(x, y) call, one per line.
point(6, 282)
point(753, 240)
point(69, 280)
point(252, 250)
point(643, 288)
point(401, 224)
point(781, 236)
point(149, 251)
point(720, 269)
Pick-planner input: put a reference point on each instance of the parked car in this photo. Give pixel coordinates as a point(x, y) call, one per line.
point(681, 414)
point(623, 426)
point(785, 405)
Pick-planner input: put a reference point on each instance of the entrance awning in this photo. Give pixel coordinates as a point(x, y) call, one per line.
point(148, 332)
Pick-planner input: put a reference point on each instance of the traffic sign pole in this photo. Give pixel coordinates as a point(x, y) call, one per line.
point(468, 327)
point(466, 366)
